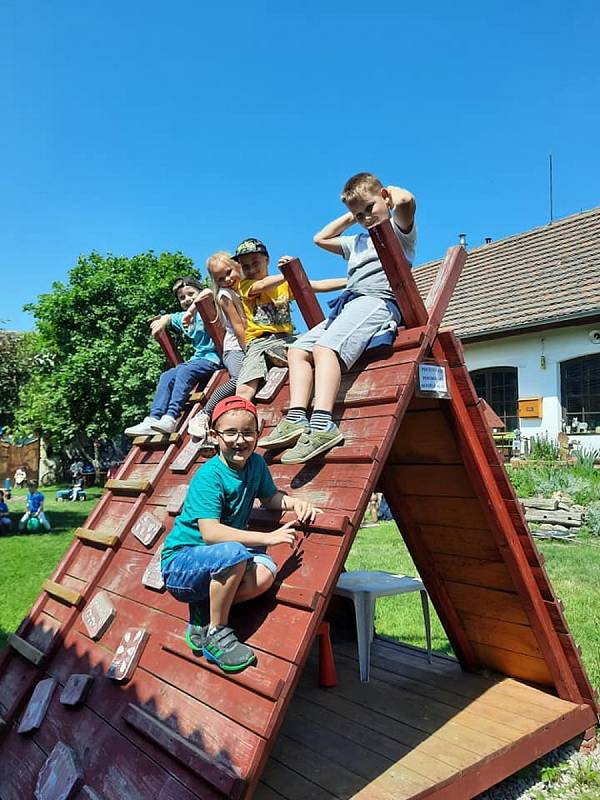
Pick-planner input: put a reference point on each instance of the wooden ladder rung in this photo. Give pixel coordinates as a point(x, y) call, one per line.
point(128, 486)
point(354, 454)
point(97, 537)
point(328, 522)
point(297, 596)
point(70, 596)
point(196, 397)
point(184, 751)
point(158, 439)
point(27, 650)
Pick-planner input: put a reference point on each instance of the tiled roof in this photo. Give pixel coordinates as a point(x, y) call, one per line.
point(539, 277)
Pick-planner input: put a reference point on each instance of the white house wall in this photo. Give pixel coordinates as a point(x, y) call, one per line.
point(525, 353)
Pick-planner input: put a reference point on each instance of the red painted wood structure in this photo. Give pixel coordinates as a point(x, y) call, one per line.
point(157, 722)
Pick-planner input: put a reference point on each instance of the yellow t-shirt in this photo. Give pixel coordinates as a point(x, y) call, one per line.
point(267, 312)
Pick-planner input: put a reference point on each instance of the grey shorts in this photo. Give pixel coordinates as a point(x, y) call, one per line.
point(350, 333)
point(254, 365)
point(233, 361)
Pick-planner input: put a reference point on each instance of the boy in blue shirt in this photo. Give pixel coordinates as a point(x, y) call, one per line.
point(35, 508)
point(175, 384)
point(209, 554)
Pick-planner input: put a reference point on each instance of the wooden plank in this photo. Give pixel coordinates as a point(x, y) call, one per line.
point(520, 666)
point(425, 438)
point(487, 603)
point(98, 615)
point(147, 528)
point(185, 751)
point(129, 486)
point(354, 454)
point(97, 537)
point(456, 512)
point(62, 593)
point(28, 651)
point(505, 635)
point(157, 440)
point(478, 543)
point(449, 480)
point(43, 632)
point(37, 706)
point(61, 776)
point(398, 272)
point(296, 595)
point(474, 572)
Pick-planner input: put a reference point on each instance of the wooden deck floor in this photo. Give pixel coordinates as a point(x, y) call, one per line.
point(415, 731)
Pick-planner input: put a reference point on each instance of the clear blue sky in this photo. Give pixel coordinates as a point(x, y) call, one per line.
point(129, 126)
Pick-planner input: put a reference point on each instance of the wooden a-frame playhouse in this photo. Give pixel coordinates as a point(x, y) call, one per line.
point(152, 721)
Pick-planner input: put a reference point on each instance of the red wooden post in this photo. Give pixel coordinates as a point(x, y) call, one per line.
point(444, 284)
point(398, 271)
point(205, 306)
point(172, 354)
point(303, 292)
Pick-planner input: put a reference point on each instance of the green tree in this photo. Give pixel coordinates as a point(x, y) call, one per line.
point(16, 354)
point(97, 364)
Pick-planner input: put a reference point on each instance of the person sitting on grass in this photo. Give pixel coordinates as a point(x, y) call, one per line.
point(35, 508)
point(266, 300)
point(175, 384)
point(5, 523)
point(209, 556)
point(365, 312)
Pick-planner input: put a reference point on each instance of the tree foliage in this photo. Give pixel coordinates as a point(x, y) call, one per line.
point(16, 354)
point(98, 365)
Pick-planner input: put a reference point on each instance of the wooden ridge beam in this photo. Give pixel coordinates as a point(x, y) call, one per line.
point(303, 292)
point(443, 286)
point(398, 271)
point(61, 592)
point(97, 537)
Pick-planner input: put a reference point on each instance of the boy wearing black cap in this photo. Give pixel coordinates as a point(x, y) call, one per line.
point(266, 302)
point(209, 554)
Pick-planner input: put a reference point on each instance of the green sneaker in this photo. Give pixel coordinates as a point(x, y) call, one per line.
point(223, 649)
point(312, 444)
point(285, 434)
point(195, 636)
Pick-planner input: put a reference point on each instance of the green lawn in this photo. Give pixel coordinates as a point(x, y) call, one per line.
point(28, 559)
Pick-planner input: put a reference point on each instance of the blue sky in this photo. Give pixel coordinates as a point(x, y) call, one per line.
point(188, 126)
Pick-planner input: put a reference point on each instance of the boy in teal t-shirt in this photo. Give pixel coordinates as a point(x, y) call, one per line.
point(209, 554)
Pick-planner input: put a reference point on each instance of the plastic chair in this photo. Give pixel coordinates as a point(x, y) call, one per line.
point(363, 588)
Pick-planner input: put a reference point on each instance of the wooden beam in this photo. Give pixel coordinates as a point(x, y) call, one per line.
point(398, 271)
point(70, 596)
point(128, 486)
point(172, 354)
point(303, 292)
point(159, 439)
point(444, 284)
point(205, 306)
point(97, 537)
point(27, 650)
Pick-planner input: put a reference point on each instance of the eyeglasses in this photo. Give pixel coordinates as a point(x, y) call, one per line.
point(231, 435)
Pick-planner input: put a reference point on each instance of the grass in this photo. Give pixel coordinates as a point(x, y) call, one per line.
point(26, 560)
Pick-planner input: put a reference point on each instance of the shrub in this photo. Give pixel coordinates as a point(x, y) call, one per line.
point(541, 448)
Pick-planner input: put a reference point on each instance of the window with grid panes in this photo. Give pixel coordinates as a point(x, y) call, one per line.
point(499, 386)
point(580, 390)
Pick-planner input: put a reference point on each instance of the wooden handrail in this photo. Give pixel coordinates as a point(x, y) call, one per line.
point(168, 347)
point(444, 284)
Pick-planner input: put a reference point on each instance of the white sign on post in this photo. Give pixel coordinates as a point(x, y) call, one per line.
point(432, 379)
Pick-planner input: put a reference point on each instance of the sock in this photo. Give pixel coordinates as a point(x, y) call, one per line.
point(320, 420)
point(296, 414)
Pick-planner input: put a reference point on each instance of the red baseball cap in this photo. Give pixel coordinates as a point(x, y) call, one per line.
point(231, 404)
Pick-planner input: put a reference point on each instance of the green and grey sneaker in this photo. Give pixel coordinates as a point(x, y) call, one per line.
point(223, 649)
point(285, 434)
point(312, 444)
point(195, 636)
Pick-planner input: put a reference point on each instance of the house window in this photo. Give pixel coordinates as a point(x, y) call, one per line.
point(580, 391)
point(499, 386)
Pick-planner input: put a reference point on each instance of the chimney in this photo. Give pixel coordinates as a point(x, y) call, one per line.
point(488, 239)
point(462, 239)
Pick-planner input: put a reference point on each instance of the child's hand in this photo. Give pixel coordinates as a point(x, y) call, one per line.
point(188, 317)
point(285, 260)
point(284, 535)
point(304, 510)
point(158, 324)
point(398, 197)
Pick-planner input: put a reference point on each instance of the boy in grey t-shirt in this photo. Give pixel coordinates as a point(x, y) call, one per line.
point(365, 311)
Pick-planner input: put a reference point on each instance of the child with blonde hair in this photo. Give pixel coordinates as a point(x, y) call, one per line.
point(225, 275)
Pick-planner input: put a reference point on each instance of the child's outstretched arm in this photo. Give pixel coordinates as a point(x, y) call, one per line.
point(325, 285)
point(403, 205)
point(159, 324)
point(305, 511)
point(238, 324)
point(264, 284)
point(328, 237)
point(214, 531)
point(188, 316)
